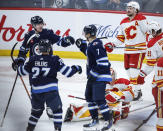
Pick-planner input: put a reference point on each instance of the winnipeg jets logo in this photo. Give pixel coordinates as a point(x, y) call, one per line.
point(36, 50)
point(95, 43)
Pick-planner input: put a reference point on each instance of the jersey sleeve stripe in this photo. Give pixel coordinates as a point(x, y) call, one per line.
point(68, 72)
point(102, 59)
point(24, 71)
point(104, 77)
point(93, 73)
point(63, 69)
point(103, 64)
point(59, 42)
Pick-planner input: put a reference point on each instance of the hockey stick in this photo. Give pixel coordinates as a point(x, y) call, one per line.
point(123, 107)
point(99, 38)
point(12, 51)
point(142, 107)
point(13, 87)
point(76, 97)
point(146, 120)
point(130, 47)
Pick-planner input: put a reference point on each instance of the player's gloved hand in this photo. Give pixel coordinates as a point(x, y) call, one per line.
point(70, 40)
point(109, 47)
point(78, 68)
point(18, 62)
point(79, 42)
point(140, 79)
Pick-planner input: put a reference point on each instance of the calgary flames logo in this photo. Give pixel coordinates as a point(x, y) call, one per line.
point(128, 32)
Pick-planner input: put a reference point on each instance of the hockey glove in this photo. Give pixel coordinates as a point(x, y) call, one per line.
point(78, 68)
point(79, 42)
point(140, 79)
point(109, 47)
point(19, 61)
point(70, 40)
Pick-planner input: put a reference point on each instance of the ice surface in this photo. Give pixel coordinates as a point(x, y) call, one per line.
point(19, 109)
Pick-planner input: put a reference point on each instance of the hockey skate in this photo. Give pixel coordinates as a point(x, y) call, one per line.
point(57, 129)
point(92, 126)
point(107, 126)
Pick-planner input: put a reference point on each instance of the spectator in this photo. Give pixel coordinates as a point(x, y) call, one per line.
point(149, 5)
point(117, 4)
point(100, 4)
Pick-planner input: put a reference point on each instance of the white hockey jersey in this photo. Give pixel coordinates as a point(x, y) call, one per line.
point(158, 79)
point(154, 52)
point(133, 34)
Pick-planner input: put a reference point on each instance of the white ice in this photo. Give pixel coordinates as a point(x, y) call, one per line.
point(19, 108)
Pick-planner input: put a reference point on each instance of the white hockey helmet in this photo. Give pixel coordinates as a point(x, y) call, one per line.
point(153, 25)
point(134, 4)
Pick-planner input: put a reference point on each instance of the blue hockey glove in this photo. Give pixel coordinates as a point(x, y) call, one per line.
point(78, 68)
point(79, 42)
point(18, 61)
point(70, 40)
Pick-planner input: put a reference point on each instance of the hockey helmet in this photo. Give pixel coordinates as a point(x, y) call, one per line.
point(36, 20)
point(90, 29)
point(153, 25)
point(134, 4)
point(44, 45)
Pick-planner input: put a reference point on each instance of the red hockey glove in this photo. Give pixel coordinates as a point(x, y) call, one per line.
point(140, 79)
point(109, 47)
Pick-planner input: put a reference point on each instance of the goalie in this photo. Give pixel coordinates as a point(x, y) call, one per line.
point(118, 97)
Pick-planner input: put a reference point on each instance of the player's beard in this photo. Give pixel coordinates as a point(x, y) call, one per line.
point(129, 14)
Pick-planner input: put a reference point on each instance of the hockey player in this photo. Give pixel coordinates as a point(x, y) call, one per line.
point(154, 57)
point(97, 74)
point(42, 71)
point(32, 38)
point(132, 33)
point(117, 92)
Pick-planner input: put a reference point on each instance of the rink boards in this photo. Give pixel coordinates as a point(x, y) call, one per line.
point(15, 22)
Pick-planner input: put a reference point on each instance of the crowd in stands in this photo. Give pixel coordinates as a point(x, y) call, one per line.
point(153, 6)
